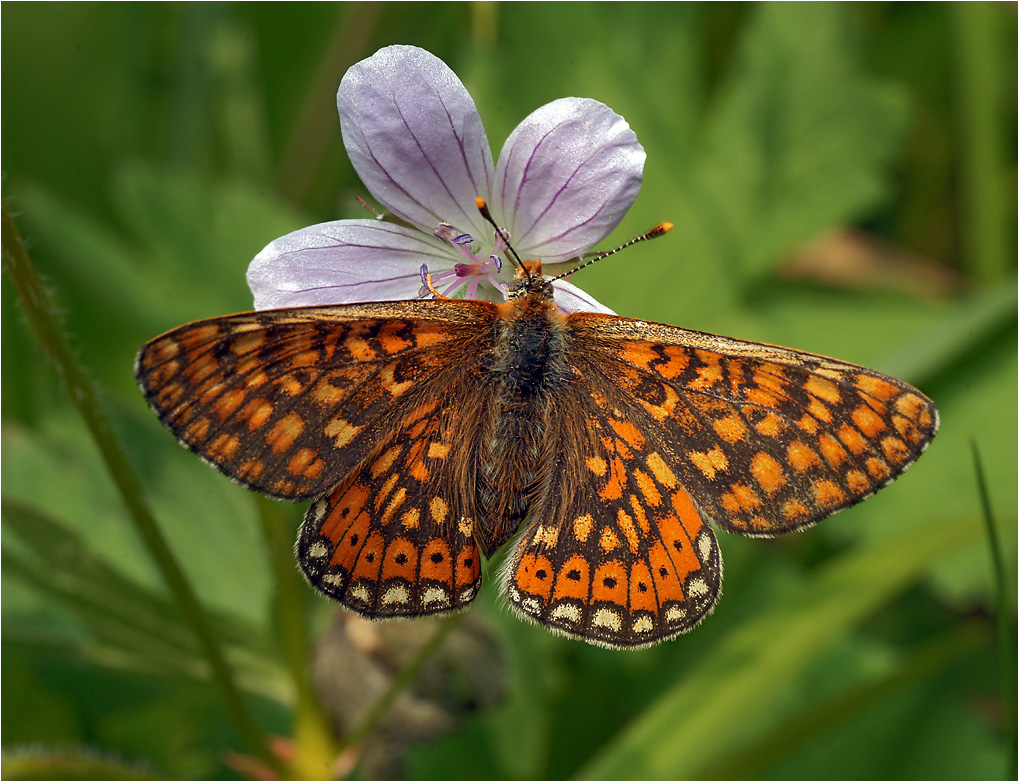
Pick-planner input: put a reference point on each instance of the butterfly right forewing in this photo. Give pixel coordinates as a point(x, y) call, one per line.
point(288, 402)
point(374, 409)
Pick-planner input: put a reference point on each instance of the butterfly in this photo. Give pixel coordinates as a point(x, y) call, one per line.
point(426, 432)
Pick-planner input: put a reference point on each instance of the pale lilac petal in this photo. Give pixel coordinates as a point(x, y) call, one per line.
point(566, 177)
point(344, 262)
point(415, 138)
point(570, 298)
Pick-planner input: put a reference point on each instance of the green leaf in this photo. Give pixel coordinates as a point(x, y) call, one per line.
point(727, 700)
point(797, 141)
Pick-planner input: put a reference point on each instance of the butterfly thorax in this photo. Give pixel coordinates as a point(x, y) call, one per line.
point(525, 363)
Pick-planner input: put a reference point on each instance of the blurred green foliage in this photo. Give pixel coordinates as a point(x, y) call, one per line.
point(842, 179)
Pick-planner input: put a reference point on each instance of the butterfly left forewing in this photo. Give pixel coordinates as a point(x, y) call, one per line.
point(767, 439)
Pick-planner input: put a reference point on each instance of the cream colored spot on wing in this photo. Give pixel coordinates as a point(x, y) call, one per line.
point(705, 547)
point(396, 594)
point(341, 431)
point(606, 617)
point(674, 614)
point(644, 624)
point(709, 462)
point(435, 596)
point(661, 471)
point(334, 579)
point(439, 510)
point(567, 612)
point(318, 510)
point(531, 606)
point(697, 587)
point(326, 394)
point(548, 536)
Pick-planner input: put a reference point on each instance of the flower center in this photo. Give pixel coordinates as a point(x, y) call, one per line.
point(473, 272)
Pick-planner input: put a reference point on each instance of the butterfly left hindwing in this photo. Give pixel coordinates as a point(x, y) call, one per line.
point(660, 430)
point(616, 551)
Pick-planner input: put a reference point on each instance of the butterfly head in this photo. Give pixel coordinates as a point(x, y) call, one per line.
point(529, 281)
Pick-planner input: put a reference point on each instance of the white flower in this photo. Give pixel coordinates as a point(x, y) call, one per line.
point(563, 181)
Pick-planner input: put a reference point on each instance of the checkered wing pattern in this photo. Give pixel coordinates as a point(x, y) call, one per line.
point(349, 405)
point(669, 428)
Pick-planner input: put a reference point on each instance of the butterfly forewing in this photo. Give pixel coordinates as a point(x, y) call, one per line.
point(288, 402)
point(766, 439)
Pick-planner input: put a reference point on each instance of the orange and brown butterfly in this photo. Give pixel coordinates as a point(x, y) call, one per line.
point(425, 432)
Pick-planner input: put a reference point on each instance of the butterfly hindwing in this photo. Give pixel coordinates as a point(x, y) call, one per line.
point(616, 551)
point(397, 538)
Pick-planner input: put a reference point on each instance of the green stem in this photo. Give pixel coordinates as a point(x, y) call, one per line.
point(40, 314)
point(1006, 633)
point(314, 743)
point(977, 88)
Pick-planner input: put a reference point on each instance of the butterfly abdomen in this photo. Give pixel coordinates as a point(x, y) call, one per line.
point(527, 348)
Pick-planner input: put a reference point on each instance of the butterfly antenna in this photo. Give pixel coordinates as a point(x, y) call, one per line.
point(659, 230)
point(483, 208)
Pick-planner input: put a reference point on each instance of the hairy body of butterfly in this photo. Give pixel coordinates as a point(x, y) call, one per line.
point(426, 431)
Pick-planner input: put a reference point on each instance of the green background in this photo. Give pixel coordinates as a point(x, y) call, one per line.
point(842, 180)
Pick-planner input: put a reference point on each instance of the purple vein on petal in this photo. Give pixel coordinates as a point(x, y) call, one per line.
point(437, 170)
point(565, 186)
point(371, 153)
point(351, 284)
point(461, 142)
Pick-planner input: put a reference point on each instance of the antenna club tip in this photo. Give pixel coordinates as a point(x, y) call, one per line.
point(664, 228)
point(481, 203)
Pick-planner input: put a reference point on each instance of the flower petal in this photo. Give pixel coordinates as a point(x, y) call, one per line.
point(565, 178)
point(343, 262)
point(415, 138)
point(570, 298)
